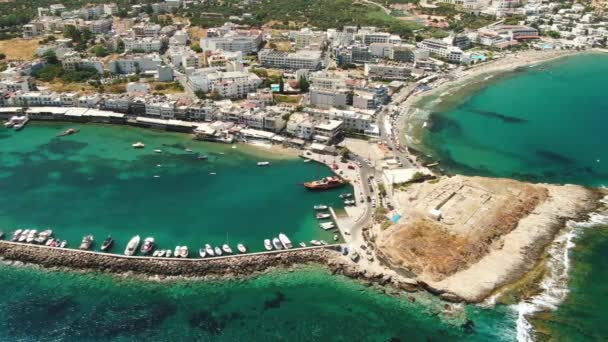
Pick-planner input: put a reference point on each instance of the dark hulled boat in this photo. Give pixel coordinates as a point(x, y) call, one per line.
point(107, 244)
point(325, 183)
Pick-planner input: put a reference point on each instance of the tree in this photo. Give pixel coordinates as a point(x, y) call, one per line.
point(281, 85)
point(100, 51)
point(50, 57)
point(196, 48)
point(2, 56)
point(215, 95)
point(304, 85)
point(200, 94)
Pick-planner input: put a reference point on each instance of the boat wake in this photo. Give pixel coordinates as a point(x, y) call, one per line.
point(554, 287)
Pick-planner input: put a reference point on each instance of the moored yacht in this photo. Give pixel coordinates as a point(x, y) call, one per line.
point(217, 251)
point(276, 243)
point(285, 241)
point(106, 245)
point(148, 245)
point(226, 249)
point(267, 244)
point(31, 236)
point(241, 248)
point(132, 245)
point(23, 235)
point(16, 235)
point(86, 243)
point(209, 250)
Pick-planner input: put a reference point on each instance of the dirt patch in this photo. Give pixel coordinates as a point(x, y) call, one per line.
point(18, 49)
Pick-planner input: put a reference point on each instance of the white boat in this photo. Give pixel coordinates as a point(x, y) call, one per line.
point(49, 242)
point(267, 244)
point(349, 202)
point(276, 243)
point(23, 235)
point(31, 236)
point(241, 248)
point(168, 253)
point(209, 250)
point(176, 251)
point(21, 122)
point(315, 243)
point(321, 216)
point(327, 225)
point(148, 245)
point(63, 244)
point(217, 251)
point(188, 150)
point(158, 150)
point(320, 207)
point(183, 252)
point(307, 160)
point(202, 253)
point(161, 253)
point(16, 235)
point(155, 253)
point(263, 163)
point(226, 249)
point(285, 241)
point(302, 244)
point(132, 245)
point(9, 124)
point(138, 144)
point(323, 242)
point(336, 237)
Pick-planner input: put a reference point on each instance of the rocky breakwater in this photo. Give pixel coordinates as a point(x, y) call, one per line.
point(342, 266)
point(219, 267)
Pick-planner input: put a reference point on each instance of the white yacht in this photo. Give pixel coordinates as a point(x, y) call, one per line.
point(132, 245)
point(138, 144)
point(209, 250)
point(285, 241)
point(267, 244)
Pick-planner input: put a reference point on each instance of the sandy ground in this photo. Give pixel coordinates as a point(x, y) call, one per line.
point(474, 250)
point(19, 49)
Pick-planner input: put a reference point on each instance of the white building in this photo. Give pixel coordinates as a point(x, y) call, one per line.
point(147, 44)
point(235, 84)
point(303, 59)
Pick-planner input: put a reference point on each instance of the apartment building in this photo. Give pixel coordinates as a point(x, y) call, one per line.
point(303, 59)
point(146, 44)
point(245, 41)
point(387, 72)
point(135, 64)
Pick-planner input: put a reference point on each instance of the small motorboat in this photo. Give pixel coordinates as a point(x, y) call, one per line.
point(106, 245)
point(138, 144)
point(349, 202)
point(276, 243)
point(302, 244)
point(16, 235)
point(155, 253)
point(327, 225)
point(49, 242)
point(346, 196)
point(183, 252)
point(315, 242)
point(161, 253)
point(202, 157)
point(321, 216)
point(285, 241)
point(226, 249)
point(86, 243)
point(267, 245)
point(323, 242)
point(132, 245)
point(241, 248)
point(217, 251)
point(176, 251)
point(23, 235)
point(209, 250)
point(63, 244)
point(336, 237)
point(263, 163)
point(31, 236)
point(148, 245)
point(68, 131)
point(188, 149)
point(168, 253)
point(158, 150)
point(320, 207)
point(202, 253)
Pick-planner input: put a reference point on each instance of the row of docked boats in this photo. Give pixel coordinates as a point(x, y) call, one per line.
point(209, 251)
point(32, 236)
point(278, 243)
point(321, 215)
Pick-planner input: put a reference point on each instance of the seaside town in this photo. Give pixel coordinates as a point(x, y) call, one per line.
point(340, 96)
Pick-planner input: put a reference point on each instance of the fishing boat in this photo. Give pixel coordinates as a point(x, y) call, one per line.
point(285, 241)
point(217, 251)
point(327, 225)
point(148, 245)
point(86, 243)
point(158, 150)
point(267, 244)
point(183, 252)
point(132, 245)
point(241, 248)
point(276, 243)
point(320, 207)
point(31, 236)
point(226, 249)
point(302, 244)
point(325, 183)
point(63, 244)
point(315, 242)
point(168, 253)
point(209, 250)
point(138, 144)
point(263, 163)
point(106, 245)
point(202, 253)
point(321, 216)
point(16, 235)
